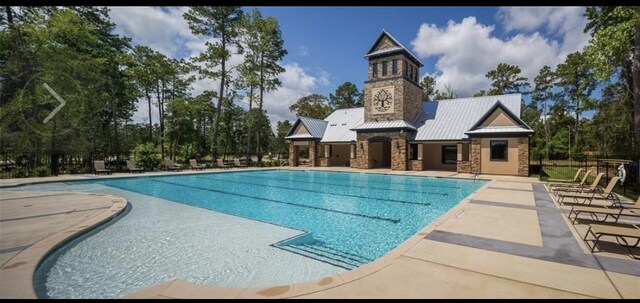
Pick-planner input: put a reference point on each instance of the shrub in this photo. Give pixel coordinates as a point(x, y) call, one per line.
point(41, 171)
point(146, 156)
point(19, 172)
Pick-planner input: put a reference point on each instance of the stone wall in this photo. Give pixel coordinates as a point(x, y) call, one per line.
point(412, 101)
point(523, 156)
point(475, 155)
point(293, 154)
point(416, 164)
point(324, 162)
point(313, 155)
point(463, 167)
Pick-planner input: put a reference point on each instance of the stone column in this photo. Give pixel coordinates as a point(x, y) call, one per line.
point(361, 160)
point(523, 156)
point(399, 153)
point(313, 153)
point(293, 154)
point(475, 155)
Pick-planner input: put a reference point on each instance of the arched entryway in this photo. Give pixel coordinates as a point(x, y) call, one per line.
point(380, 152)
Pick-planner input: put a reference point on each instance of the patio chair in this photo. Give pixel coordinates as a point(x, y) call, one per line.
point(594, 187)
point(195, 166)
point(98, 167)
point(563, 182)
point(583, 181)
point(236, 162)
point(170, 166)
point(607, 211)
point(606, 194)
point(621, 232)
point(131, 166)
point(221, 164)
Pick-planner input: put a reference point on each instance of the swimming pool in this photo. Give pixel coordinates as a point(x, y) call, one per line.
point(337, 220)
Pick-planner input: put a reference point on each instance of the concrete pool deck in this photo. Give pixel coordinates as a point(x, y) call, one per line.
point(509, 239)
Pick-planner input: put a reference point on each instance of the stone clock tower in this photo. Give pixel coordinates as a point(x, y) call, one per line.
point(392, 102)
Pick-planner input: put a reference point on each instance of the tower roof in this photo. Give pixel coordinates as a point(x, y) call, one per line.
point(398, 47)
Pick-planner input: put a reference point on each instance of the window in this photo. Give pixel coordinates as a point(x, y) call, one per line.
point(413, 152)
point(499, 150)
point(465, 151)
point(406, 68)
point(394, 66)
point(415, 76)
point(410, 71)
point(330, 151)
point(449, 154)
point(384, 68)
point(374, 70)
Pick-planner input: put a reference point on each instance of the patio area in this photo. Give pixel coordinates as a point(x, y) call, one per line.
point(509, 239)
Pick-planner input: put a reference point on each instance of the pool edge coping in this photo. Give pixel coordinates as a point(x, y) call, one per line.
point(39, 251)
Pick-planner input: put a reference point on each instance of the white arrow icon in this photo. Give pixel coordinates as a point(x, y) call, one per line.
point(55, 111)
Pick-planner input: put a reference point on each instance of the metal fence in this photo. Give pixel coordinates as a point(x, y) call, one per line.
point(606, 164)
point(20, 164)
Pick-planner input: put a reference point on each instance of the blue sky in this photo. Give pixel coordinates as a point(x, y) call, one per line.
point(457, 45)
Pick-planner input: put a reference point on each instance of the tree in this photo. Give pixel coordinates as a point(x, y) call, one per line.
point(542, 93)
point(311, 106)
point(576, 80)
point(280, 146)
point(428, 85)
point(481, 93)
point(506, 79)
point(272, 50)
point(346, 95)
point(614, 48)
point(449, 93)
point(222, 23)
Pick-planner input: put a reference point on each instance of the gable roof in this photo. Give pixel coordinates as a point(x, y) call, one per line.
point(520, 127)
point(399, 48)
point(316, 128)
point(451, 119)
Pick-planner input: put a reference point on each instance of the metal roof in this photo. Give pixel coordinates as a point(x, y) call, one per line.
point(440, 120)
point(340, 123)
point(500, 130)
point(315, 127)
point(393, 124)
point(451, 119)
point(400, 47)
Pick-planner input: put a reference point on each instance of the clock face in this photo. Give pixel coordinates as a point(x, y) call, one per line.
point(382, 101)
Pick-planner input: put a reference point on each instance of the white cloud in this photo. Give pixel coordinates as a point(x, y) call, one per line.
point(296, 83)
point(467, 50)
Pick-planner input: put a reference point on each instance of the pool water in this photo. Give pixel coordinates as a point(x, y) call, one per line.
point(336, 220)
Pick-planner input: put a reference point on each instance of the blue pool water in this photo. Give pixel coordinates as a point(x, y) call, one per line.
point(243, 228)
point(358, 216)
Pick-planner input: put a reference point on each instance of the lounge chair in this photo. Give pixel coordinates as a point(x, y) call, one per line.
point(98, 167)
point(606, 194)
point(620, 232)
point(562, 182)
point(607, 211)
point(170, 166)
point(195, 166)
point(221, 164)
point(131, 166)
point(583, 182)
point(236, 162)
point(594, 187)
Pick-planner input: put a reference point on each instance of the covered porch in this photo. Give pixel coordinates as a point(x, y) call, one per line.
point(452, 156)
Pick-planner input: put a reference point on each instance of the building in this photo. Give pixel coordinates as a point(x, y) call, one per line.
point(396, 129)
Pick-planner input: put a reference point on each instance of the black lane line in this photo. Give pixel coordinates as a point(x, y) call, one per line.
point(317, 191)
point(358, 186)
point(383, 182)
point(395, 221)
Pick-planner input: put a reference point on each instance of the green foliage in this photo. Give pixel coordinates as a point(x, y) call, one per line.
point(428, 85)
point(41, 171)
point(311, 106)
point(147, 156)
point(506, 79)
point(448, 93)
point(19, 172)
point(346, 95)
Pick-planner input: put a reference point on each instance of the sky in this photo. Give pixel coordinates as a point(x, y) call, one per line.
point(326, 45)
